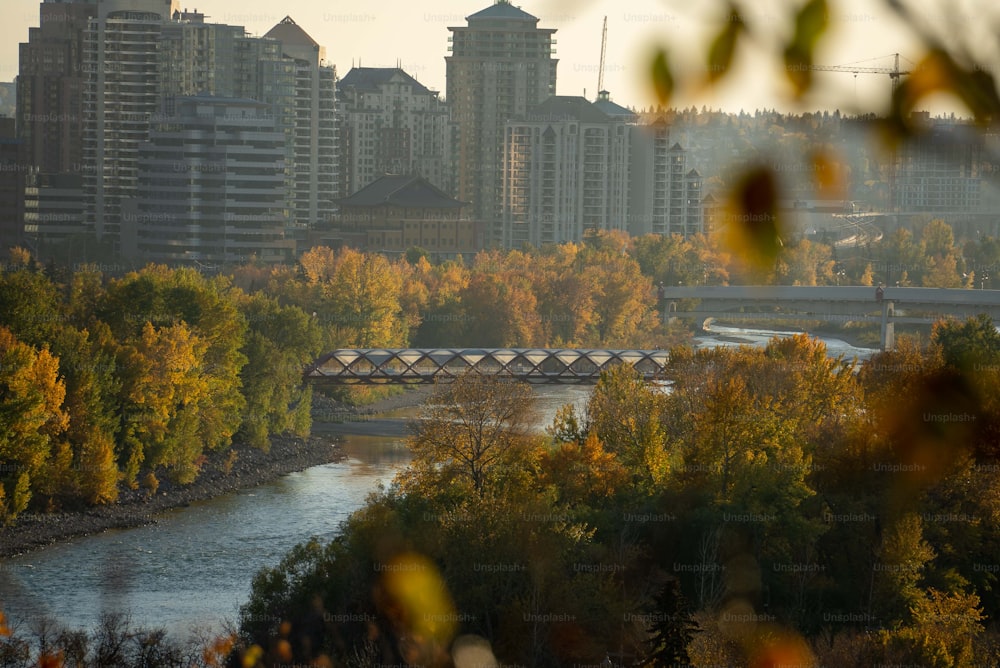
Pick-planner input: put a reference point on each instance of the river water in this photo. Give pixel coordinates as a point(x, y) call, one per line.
point(192, 570)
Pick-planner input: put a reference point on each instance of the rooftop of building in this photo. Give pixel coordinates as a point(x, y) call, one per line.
point(560, 108)
point(369, 79)
point(402, 190)
point(289, 32)
point(502, 9)
point(613, 109)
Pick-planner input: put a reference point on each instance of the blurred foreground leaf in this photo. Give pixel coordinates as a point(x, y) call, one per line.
point(662, 77)
point(810, 24)
point(752, 219)
point(722, 48)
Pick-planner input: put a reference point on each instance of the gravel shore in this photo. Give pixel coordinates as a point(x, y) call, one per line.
point(251, 468)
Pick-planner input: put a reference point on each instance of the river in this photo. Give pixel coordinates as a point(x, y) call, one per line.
point(192, 569)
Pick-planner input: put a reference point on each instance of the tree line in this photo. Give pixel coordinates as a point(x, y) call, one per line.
point(113, 382)
point(775, 506)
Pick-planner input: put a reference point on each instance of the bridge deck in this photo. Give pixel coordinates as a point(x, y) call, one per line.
point(371, 366)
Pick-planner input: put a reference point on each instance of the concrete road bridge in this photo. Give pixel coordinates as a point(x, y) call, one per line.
point(405, 366)
point(829, 303)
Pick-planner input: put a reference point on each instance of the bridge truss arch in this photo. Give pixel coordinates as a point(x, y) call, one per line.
point(412, 366)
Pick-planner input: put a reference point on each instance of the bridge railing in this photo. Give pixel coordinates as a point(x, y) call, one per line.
point(371, 366)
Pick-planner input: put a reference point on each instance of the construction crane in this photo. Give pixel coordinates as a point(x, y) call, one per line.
point(604, 48)
point(894, 72)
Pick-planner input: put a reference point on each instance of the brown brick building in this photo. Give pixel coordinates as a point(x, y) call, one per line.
point(395, 213)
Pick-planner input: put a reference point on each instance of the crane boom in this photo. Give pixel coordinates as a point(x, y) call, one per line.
point(894, 72)
point(604, 47)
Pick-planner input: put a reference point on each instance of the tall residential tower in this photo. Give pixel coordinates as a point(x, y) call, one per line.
point(122, 92)
point(500, 66)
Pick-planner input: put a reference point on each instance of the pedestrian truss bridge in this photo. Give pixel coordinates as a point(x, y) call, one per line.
point(411, 366)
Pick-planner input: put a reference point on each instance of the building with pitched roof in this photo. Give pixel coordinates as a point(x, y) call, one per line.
point(312, 128)
point(398, 212)
point(666, 192)
point(500, 65)
point(390, 123)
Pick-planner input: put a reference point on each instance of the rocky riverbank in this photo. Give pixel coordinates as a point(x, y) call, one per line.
point(220, 475)
point(250, 468)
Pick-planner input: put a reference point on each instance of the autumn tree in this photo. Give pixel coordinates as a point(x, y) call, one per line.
point(355, 296)
point(625, 413)
point(165, 298)
point(805, 263)
point(945, 266)
point(473, 427)
point(32, 419)
point(623, 299)
point(499, 310)
point(166, 391)
point(89, 364)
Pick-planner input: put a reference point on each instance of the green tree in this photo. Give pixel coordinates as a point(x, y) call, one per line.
point(671, 628)
point(280, 342)
point(902, 558)
point(970, 345)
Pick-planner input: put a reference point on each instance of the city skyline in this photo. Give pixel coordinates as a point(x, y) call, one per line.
point(416, 38)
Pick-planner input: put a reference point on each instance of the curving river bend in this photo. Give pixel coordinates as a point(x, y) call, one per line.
point(192, 570)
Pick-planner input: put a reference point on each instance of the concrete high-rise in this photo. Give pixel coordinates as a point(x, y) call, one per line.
point(50, 84)
point(211, 186)
point(565, 173)
point(666, 191)
point(390, 123)
point(122, 92)
point(572, 167)
point(501, 64)
point(11, 188)
point(313, 128)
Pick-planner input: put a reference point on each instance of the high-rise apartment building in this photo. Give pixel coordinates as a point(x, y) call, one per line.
point(50, 86)
point(390, 123)
point(122, 92)
point(211, 186)
point(666, 191)
point(572, 167)
point(50, 83)
point(11, 187)
point(565, 173)
point(313, 128)
point(501, 64)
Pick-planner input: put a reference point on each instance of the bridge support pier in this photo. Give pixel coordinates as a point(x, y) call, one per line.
point(888, 327)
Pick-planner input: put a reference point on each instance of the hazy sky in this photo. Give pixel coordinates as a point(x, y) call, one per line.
point(414, 32)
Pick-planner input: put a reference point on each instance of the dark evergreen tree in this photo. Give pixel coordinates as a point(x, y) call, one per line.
point(671, 628)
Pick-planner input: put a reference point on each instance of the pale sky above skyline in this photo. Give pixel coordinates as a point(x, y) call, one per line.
point(378, 34)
